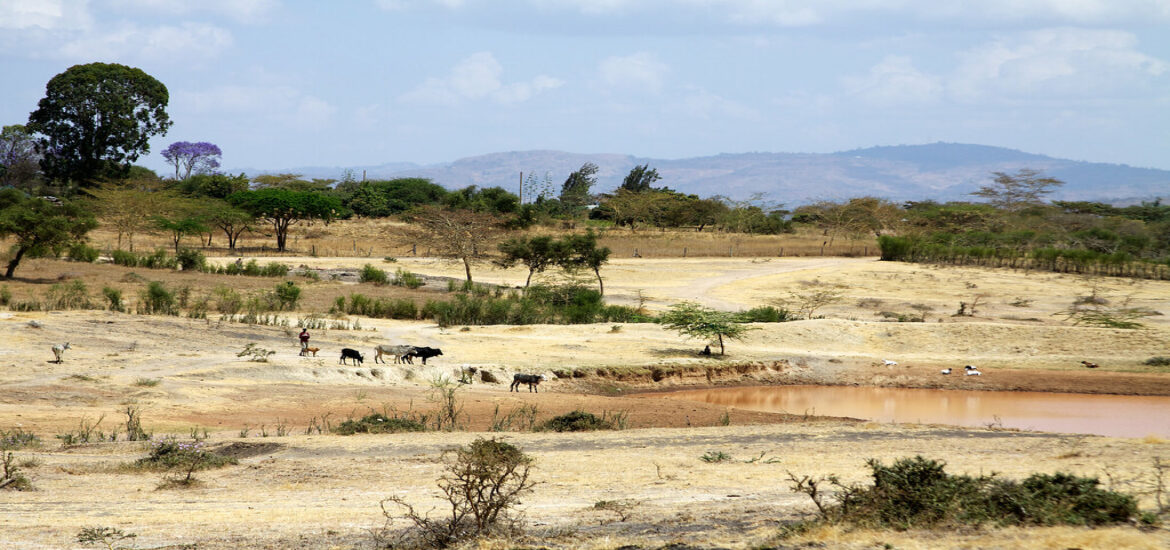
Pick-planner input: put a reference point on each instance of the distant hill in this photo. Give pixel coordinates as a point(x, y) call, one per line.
point(939, 171)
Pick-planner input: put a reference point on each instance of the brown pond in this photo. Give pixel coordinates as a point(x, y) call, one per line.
point(1113, 415)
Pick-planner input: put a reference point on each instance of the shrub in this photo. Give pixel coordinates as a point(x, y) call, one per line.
point(158, 260)
point(918, 493)
point(17, 438)
point(765, 314)
point(71, 295)
point(371, 274)
point(157, 300)
point(5, 295)
point(287, 295)
point(482, 482)
point(1158, 361)
point(169, 453)
point(377, 423)
point(81, 252)
point(10, 475)
point(577, 421)
point(123, 257)
point(191, 260)
point(407, 279)
point(113, 299)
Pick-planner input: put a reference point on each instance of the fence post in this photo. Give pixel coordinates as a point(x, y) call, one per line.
point(684, 252)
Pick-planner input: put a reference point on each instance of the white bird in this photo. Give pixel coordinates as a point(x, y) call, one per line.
point(890, 363)
point(945, 371)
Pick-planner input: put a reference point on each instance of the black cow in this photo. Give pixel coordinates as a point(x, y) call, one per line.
point(349, 353)
point(532, 380)
point(422, 351)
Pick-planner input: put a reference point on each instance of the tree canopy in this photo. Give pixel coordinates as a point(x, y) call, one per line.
point(96, 120)
point(284, 208)
point(19, 158)
point(641, 178)
point(695, 321)
point(575, 191)
point(39, 226)
point(187, 158)
point(1012, 192)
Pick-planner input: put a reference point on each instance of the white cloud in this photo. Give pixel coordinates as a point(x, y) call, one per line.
point(641, 71)
point(478, 77)
point(1056, 62)
point(702, 104)
point(186, 41)
point(47, 15)
point(281, 104)
point(240, 10)
point(894, 80)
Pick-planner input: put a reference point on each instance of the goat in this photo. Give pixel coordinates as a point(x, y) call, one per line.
point(973, 372)
point(349, 353)
point(59, 350)
point(533, 380)
point(1089, 365)
point(889, 363)
point(396, 351)
point(307, 350)
point(945, 371)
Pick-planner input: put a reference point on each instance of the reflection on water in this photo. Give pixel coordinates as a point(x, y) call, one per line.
point(1115, 415)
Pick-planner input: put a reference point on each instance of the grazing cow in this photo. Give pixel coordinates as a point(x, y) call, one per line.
point(59, 350)
point(349, 353)
point(396, 351)
point(533, 380)
point(422, 351)
point(945, 371)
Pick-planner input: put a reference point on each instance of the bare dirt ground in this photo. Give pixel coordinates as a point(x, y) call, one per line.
point(322, 491)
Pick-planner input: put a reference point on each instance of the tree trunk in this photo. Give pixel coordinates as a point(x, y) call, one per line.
point(600, 284)
point(720, 344)
point(14, 262)
point(467, 268)
point(529, 280)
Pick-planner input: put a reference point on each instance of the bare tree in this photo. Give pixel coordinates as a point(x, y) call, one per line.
point(460, 234)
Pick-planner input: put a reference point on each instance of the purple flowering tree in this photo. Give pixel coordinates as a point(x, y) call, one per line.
point(187, 158)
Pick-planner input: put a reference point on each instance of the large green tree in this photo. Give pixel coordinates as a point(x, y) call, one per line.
point(575, 192)
point(641, 178)
point(97, 119)
point(39, 226)
point(284, 208)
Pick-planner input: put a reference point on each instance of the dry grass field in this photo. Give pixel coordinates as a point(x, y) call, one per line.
point(294, 489)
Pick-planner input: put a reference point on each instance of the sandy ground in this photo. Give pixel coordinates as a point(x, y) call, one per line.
point(322, 491)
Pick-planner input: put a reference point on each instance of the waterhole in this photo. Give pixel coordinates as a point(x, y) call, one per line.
point(1112, 415)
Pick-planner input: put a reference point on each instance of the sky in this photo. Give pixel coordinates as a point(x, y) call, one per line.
point(292, 83)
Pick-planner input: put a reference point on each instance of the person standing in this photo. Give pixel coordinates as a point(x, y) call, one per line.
point(304, 340)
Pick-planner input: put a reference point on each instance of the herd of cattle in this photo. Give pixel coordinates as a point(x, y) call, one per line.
point(407, 353)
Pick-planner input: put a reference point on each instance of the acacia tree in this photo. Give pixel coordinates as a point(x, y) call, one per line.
point(199, 157)
point(96, 120)
point(459, 234)
point(39, 226)
point(182, 217)
point(284, 208)
point(695, 321)
point(229, 219)
point(123, 205)
point(537, 253)
point(584, 253)
point(1014, 192)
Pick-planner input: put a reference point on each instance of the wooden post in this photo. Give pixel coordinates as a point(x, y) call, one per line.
point(684, 252)
point(781, 251)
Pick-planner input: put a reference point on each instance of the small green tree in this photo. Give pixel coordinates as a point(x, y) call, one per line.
point(641, 178)
point(583, 252)
point(39, 226)
point(695, 321)
point(575, 191)
point(1013, 192)
point(536, 253)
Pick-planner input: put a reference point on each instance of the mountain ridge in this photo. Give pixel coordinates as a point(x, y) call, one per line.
point(935, 171)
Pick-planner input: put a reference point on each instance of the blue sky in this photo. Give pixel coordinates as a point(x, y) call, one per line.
point(284, 83)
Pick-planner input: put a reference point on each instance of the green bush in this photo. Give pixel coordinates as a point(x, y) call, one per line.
point(191, 260)
point(377, 423)
point(1158, 361)
point(287, 295)
point(169, 454)
point(123, 257)
point(407, 279)
point(765, 314)
point(918, 493)
point(5, 295)
point(577, 421)
point(371, 274)
point(113, 299)
point(158, 260)
point(81, 252)
point(156, 299)
point(18, 438)
point(71, 295)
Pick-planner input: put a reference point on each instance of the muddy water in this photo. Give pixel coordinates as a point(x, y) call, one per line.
point(1113, 415)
